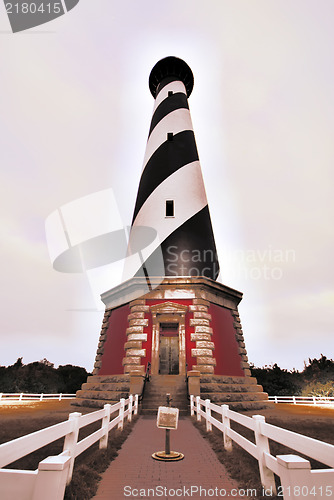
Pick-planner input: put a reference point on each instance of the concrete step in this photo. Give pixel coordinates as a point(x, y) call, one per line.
point(217, 387)
point(162, 400)
point(174, 387)
point(249, 405)
point(240, 393)
point(163, 396)
point(156, 404)
point(155, 408)
point(102, 389)
point(165, 390)
point(224, 379)
point(98, 386)
point(106, 379)
point(160, 395)
point(167, 380)
point(92, 403)
point(185, 410)
point(154, 411)
point(228, 397)
point(156, 390)
point(163, 393)
point(102, 395)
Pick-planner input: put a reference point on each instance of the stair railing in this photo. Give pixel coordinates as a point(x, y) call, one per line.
point(187, 382)
point(146, 379)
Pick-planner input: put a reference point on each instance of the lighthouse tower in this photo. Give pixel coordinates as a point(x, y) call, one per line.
point(171, 314)
point(171, 196)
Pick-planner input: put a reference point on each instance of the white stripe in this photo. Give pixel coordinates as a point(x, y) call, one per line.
point(176, 86)
point(186, 188)
point(175, 122)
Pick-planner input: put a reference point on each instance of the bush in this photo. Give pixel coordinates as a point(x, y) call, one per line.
point(41, 376)
point(277, 381)
point(321, 369)
point(316, 379)
point(319, 389)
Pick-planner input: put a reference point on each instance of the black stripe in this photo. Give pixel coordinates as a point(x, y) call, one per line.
point(164, 82)
point(176, 101)
point(166, 160)
point(189, 251)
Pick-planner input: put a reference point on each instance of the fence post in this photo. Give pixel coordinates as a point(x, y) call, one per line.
point(198, 409)
point(294, 472)
point(262, 444)
point(226, 426)
point(103, 443)
point(21, 396)
point(208, 415)
point(192, 405)
point(136, 405)
point(0, 395)
point(41, 397)
point(70, 442)
point(60, 395)
point(276, 399)
point(121, 414)
point(294, 400)
point(130, 408)
point(51, 478)
point(314, 401)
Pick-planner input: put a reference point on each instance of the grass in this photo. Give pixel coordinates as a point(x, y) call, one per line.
point(19, 420)
point(90, 465)
point(316, 422)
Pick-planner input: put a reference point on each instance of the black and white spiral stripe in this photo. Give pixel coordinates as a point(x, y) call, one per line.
point(172, 171)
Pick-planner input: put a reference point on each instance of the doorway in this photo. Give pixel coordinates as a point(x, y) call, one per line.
point(169, 349)
point(168, 320)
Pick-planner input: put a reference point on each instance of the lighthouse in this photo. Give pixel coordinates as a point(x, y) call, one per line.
point(171, 196)
point(171, 316)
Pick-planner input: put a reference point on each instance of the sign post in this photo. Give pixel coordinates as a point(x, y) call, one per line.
point(167, 419)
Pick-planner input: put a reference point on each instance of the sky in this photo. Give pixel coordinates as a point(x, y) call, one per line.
point(75, 114)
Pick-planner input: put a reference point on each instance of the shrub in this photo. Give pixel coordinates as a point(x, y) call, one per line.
point(319, 389)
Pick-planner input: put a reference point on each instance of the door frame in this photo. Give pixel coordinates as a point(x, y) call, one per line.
point(168, 312)
point(175, 337)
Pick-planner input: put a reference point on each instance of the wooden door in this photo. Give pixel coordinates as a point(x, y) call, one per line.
point(169, 350)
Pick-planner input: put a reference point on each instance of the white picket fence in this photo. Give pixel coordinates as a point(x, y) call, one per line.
point(53, 473)
point(297, 478)
point(303, 400)
point(22, 396)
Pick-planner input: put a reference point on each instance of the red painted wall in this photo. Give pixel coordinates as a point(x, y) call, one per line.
point(226, 345)
point(114, 345)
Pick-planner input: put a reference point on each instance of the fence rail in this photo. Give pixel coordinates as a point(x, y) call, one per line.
point(297, 478)
point(53, 473)
point(303, 400)
point(22, 396)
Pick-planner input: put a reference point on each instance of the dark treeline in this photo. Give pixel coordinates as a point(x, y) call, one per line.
point(41, 376)
point(316, 379)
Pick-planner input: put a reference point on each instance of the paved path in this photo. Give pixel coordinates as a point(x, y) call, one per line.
point(134, 469)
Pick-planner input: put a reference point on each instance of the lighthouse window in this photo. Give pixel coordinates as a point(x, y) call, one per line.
point(170, 93)
point(169, 208)
point(169, 136)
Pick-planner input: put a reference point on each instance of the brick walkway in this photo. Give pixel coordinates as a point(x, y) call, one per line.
point(134, 469)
